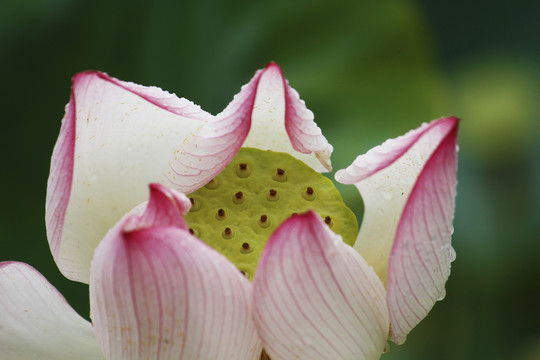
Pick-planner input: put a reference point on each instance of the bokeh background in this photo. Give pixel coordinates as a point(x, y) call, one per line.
point(368, 70)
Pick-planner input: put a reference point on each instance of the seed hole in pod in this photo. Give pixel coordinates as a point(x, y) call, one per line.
point(212, 184)
point(238, 198)
point(280, 175)
point(272, 195)
point(309, 194)
point(245, 273)
point(328, 221)
point(195, 204)
point(264, 221)
point(227, 233)
point(243, 170)
point(264, 356)
point(221, 215)
point(246, 248)
point(194, 232)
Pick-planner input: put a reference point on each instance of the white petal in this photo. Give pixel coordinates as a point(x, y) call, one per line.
point(157, 292)
point(316, 298)
point(420, 260)
point(281, 122)
point(36, 322)
point(116, 137)
point(385, 176)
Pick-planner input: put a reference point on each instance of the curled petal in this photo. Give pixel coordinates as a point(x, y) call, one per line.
point(408, 185)
point(316, 298)
point(385, 176)
point(116, 137)
point(210, 148)
point(267, 114)
point(36, 322)
point(281, 122)
point(420, 260)
point(157, 292)
point(165, 208)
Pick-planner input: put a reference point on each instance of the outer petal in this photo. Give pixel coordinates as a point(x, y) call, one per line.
point(408, 185)
point(157, 292)
point(116, 137)
point(36, 322)
point(420, 260)
point(316, 298)
point(385, 176)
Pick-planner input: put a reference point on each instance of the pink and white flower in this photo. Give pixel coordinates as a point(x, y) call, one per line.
point(157, 292)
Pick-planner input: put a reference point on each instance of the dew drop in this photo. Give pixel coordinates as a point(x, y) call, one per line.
point(442, 294)
point(451, 254)
point(307, 340)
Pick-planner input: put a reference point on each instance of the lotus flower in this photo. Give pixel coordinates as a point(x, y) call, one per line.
point(158, 292)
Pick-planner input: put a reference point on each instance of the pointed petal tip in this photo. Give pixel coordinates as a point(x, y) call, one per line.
point(88, 73)
point(390, 151)
point(273, 65)
point(165, 207)
point(180, 200)
point(309, 218)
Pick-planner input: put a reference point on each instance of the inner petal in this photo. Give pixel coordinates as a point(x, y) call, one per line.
point(237, 211)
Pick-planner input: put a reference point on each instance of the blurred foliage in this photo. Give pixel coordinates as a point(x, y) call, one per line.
point(368, 70)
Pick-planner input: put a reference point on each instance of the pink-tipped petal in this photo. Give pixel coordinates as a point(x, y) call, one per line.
point(316, 298)
point(36, 322)
point(420, 260)
point(211, 148)
point(385, 177)
point(266, 114)
point(166, 207)
point(116, 137)
point(281, 122)
point(157, 292)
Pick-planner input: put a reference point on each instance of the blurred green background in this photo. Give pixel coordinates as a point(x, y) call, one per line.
point(368, 70)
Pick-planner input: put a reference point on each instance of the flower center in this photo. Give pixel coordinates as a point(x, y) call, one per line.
point(236, 212)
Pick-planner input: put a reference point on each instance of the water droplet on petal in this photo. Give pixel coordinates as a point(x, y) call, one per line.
point(452, 254)
point(442, 294)
point(306, 339)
